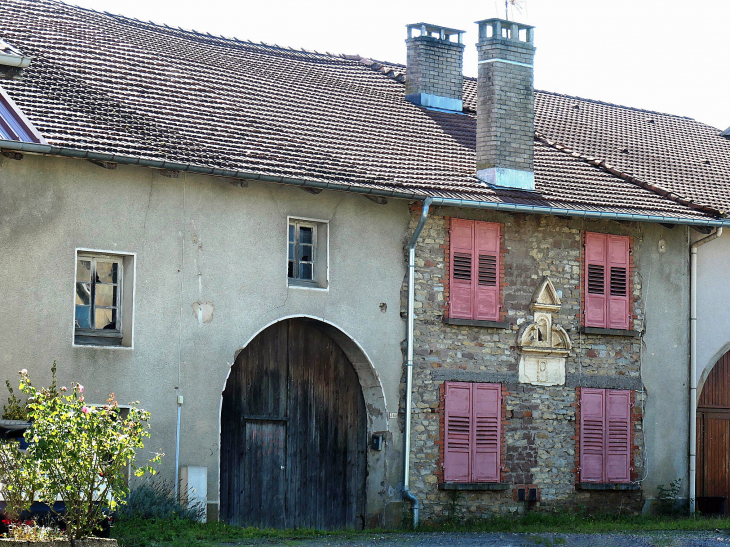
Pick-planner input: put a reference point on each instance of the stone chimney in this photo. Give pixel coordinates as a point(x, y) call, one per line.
point(505, 104)
point(434, 67)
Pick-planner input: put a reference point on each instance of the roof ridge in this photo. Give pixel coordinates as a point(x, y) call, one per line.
point(206, 35)
point(379, 66)
point(659, 190)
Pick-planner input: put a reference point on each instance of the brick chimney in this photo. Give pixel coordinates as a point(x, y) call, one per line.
point(505, 104)
point(434, 67)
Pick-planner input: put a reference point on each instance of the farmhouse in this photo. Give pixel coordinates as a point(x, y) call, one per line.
point(353, 292)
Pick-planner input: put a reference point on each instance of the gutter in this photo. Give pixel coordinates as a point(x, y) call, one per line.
point(420, 196)
point(693, 366)
point(15, 60)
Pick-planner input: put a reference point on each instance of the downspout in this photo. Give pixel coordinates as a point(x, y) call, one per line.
point(409, 362)
point(693, 365)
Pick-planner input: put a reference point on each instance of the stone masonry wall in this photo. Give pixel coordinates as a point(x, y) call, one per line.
point(539, 423)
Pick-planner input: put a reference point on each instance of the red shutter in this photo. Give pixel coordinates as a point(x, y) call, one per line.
point(618, 411)
point(462, 269)
point(487, 410)
point(592, 434)
point(595, 280)
point(457, 432)
point(618, 282)
point(486, 271)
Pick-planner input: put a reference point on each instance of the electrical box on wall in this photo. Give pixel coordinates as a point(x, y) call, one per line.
point(377, 442)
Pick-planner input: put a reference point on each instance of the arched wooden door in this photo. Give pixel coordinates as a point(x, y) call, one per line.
point(293, 433)
point(713, 439)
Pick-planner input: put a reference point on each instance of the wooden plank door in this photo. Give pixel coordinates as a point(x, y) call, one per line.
point(713, 467)
point(293, 433)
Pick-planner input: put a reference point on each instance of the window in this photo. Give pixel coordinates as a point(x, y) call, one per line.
point(472, 431)
point(474, 270)
point(102, 307)
point(606, 281)
point(605, 435)
point(307, 253)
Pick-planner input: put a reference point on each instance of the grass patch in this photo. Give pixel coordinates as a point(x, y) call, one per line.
point(579, 523)
point(176, 532)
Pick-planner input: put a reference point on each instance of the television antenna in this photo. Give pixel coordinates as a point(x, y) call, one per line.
point(516, 5)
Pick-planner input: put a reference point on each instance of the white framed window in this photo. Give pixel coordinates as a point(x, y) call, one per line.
point(307, 260)
point(103, 299)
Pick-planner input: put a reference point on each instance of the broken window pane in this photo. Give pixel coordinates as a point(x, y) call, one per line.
point(83, 293)
point(105, 319)
point(82, 317)
point(106, 295)
point(291, 268)
point(106, 272)
point(305, 271)
point(83, 270)
point(305, 252)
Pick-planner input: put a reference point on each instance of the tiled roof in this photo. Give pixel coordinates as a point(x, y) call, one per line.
point(114, 85)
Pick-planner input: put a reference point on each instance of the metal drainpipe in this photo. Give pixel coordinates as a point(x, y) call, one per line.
point(409, 363)
point(693, 366)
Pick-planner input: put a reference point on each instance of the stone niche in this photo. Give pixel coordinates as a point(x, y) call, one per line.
point(543, 345)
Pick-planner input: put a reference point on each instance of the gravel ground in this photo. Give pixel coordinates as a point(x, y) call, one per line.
point(644, 539)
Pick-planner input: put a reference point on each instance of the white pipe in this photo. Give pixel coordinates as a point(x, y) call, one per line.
point(177, 448)
point(409, 362)
point(693, 366)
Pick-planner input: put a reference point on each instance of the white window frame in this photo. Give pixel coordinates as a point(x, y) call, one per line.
point(125, 302)
point(320, 254)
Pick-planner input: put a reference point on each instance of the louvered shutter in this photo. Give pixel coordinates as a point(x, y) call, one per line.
point(618, 417)
point(618, 282)
point(595, 280)
point(487, 406)
point(461, 297)
point(457, 432)
point(592, 435)
point(486, 271)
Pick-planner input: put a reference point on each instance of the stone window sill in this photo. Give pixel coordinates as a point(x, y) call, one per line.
point(474, 486)
point(610, 332)
point(608, 486)
point(475, 323)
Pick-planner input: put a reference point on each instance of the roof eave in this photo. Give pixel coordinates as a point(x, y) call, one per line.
point(47, 149)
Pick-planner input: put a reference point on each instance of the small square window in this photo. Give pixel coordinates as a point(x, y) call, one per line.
point(307, 253)
point(102, 307)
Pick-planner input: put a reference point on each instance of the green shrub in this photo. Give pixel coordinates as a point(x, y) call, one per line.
point(82, 452)
point(155, 499)
point(667, 497)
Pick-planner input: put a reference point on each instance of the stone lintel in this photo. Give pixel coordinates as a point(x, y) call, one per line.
point(603, 382)
point(610, 332)
point(619, 486)
point(480, 486)
point(452, 375)
point(473, 323)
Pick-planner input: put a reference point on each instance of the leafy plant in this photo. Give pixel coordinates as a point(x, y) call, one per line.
point(667, 497)
point(16, 408)
point(19, 479)
point(155, 499)
point(82, 452)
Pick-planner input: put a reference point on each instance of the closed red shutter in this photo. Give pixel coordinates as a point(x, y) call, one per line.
point(487, 410)
point(461, 296)
point(618, 412)
point(595, 280)
point(458, 432)
point(486, 271)
point(592, 435)
point(618, 282)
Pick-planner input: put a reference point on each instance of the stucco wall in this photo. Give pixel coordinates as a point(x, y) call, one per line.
point(196, 239)
point(713, 296)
